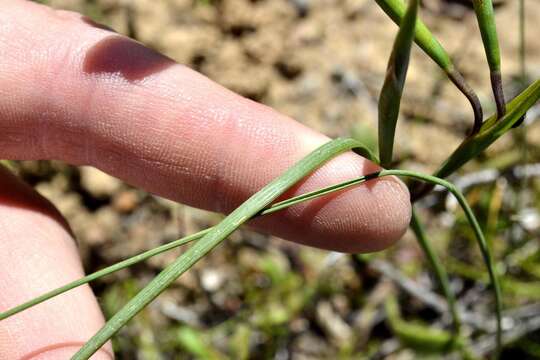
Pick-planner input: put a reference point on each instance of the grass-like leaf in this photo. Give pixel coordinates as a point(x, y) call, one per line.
point(172, 245)
point(440, 272)
point(486, 22)
point(395, 9)
point(484, 249)
point(232, 222)
point(396, 72)
point(216, 235)
point(101, 273)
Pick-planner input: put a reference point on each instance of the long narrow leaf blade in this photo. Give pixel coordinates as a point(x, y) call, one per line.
point(479, 235)
point(218, 233)
point(395, 9)
point(438, 268)
point(174, 244)
point(486, 22)
point(396, 72)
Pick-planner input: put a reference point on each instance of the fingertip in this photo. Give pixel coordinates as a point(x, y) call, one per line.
point(388, 218)
point(369, 218)
point(364, 218)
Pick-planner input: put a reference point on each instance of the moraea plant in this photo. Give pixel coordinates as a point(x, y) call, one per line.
point(482, 136)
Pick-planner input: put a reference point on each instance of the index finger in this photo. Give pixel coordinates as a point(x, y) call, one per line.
point(82, 94)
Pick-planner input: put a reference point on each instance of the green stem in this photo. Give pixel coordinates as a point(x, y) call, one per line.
point(484, 249)
point(468, 213)
point(440, 272)
point(103, 272)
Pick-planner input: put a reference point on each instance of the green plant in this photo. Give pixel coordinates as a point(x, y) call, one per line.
point(483, 134)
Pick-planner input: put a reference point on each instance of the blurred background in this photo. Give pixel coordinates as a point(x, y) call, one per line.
point(258, 297)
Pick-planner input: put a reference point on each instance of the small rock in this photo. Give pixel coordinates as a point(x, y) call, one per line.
point(211, 280)
point(126, 201)
point(97, 183)
point(529, 219)
point(308, 33)
point(301, 6)
point(106, 223)
point(311, 346)
point(333, 324)
point(180, 313)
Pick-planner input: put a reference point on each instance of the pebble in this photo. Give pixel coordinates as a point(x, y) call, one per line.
point(211, 280)
point(97, 183)
point(126, 201)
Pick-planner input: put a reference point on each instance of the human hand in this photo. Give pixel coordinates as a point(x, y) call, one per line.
point(74, 91)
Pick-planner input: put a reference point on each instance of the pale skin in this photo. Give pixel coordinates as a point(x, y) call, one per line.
point(74, 91)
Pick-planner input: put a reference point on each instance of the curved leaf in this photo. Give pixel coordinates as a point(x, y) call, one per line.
point(395, 9)
point(215, 236)
point(491, 130)
point(396, 72)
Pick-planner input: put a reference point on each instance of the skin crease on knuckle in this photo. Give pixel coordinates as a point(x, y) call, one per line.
point(149, 112)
